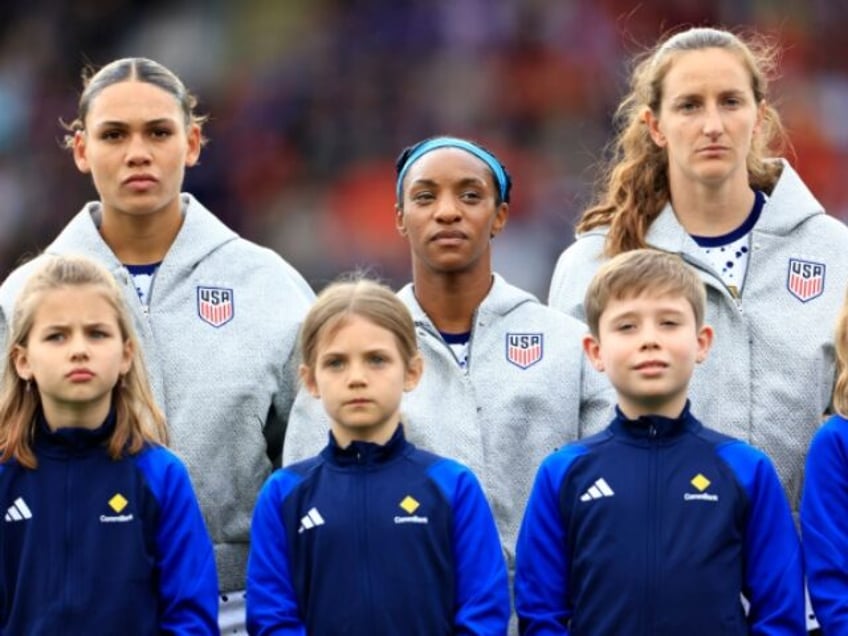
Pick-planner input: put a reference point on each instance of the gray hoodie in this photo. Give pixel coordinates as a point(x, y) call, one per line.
point(769, 376)
point(527, 390)
point(226, 382)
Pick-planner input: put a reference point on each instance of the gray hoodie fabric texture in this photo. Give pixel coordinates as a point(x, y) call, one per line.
point(527, 390)
point(225, 379)
point(769, 377)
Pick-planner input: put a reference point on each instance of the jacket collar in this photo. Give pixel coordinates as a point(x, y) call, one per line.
point(648, 427)
point(72, 441)
point(366, 453)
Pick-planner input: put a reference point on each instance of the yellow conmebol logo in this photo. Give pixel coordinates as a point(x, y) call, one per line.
point(409, 504)
point(700, 482)
point(118, 502)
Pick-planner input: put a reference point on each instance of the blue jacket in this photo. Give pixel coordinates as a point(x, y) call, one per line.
point(91, 545)
point(824, 525)
point(375, 540)
point(654, 527)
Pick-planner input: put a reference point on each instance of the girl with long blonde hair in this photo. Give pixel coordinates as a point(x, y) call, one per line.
point(102, 530)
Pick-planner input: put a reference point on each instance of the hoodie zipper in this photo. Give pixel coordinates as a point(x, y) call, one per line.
point(128, 281)
point(430, 329)
point(734, 293)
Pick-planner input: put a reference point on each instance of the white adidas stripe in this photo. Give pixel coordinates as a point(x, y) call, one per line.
point(18, 511)
point(598, 490)
point(603, 486)
point(310, 520)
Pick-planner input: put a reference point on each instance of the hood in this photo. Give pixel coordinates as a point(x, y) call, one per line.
point(500, 301)
point(200, 234)
point(789, 205)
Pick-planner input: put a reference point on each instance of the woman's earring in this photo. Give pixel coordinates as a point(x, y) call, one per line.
point(28, 387)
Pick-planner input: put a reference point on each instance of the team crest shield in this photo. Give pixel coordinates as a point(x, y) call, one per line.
point(524, 349)
point(215, 305)
point(805, 279)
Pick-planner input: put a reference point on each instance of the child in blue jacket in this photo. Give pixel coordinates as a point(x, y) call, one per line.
point(658, 525)
point(102, 533)
point(824, 503)
point(373, 536)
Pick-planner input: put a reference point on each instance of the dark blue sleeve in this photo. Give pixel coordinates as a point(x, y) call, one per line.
point(824, 525)
point(773, 576)
point(482, 586)
point(188, 583)
point(541, 560)
point(271, 600)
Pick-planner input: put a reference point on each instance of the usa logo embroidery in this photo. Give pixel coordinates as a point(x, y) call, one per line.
point(806, 279)
point(215, 305)
point(524, 349)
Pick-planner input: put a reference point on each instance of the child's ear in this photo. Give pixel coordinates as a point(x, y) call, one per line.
point(413, 372)
point(19, 356)
point(592, 349)
point(127, 357)
point(307, 376)
point(705, 341)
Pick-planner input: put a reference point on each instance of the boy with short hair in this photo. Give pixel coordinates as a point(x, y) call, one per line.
point(658, 524)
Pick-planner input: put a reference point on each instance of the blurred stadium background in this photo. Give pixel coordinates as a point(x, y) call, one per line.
point(311, 100)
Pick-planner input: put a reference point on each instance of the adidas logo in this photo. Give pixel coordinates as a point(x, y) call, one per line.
point(310, 520)
point(18, 511)
point(598, 490)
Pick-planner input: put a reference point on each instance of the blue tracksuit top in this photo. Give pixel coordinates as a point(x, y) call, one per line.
point(654, 527)
point(92, 545)
point(824, 524)
point(375, 540)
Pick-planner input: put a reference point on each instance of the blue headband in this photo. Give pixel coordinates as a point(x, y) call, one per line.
point(453, 142)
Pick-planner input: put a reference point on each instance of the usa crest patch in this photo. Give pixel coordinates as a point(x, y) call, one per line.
point(805, 279)
point(524, 349)
point(215, 305)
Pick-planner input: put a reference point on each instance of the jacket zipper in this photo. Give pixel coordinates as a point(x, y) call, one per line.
point(68, 538)
point(653, 534)
point(368, 592)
